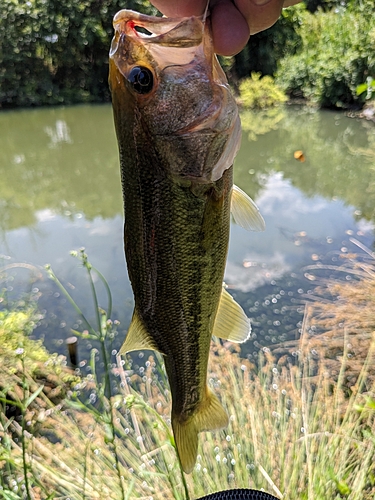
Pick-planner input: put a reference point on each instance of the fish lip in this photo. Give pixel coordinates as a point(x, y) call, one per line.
point(123, 14)
point(165, 30)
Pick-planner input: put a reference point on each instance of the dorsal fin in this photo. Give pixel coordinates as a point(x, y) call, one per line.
point(245, 212)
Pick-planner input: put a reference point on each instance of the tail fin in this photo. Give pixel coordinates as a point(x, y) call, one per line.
point(209, 416)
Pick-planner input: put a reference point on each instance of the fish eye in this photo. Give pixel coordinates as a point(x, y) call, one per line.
point(141, 79)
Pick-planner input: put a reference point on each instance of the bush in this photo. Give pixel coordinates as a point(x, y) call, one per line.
point(257, 92)
point(337, 54)
point(265, 49)
point(56, 51)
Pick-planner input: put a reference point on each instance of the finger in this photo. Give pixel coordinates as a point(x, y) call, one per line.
point(260, 14)
point(230, 29)
point(180, 8)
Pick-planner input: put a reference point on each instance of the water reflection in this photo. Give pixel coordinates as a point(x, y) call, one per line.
point(60, 133)
point(339, 152)
point(60, 190)
point(296, 228)
point(64, 160)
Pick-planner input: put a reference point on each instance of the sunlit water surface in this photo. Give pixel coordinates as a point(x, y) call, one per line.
point(60, 191)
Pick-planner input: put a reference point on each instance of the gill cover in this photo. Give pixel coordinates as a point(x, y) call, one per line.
point(167, 73)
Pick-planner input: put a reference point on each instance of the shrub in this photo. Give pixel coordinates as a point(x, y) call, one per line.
point(368, 87)
point(56, 51)
point(257, 92)
point(265, 49)
point(302, 423)
point(336, 56)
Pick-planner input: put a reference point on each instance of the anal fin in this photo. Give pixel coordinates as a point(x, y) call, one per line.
point(137, 337)
point(245, 212)
point(231, 322)
point(209, 416)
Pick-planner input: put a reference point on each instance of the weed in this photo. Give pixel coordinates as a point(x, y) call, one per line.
point(295, 431)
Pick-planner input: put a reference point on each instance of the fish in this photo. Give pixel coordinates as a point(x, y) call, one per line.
point(178, 131)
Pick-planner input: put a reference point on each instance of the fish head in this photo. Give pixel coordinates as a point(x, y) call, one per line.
point(169, 90)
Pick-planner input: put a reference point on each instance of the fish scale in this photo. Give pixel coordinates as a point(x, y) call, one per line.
point(176, 245)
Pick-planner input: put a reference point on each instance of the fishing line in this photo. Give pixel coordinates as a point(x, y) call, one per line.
point(206, 13)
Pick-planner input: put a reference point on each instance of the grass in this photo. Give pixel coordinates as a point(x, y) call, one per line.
point(299, 428)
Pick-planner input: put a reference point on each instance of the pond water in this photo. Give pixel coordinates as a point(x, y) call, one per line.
point(60, 190)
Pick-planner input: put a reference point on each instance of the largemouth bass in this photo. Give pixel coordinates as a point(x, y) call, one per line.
point(178, 131)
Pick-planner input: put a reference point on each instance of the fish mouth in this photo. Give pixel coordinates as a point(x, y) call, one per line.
point(161, 35)
point(161, 30)
point(172, 42)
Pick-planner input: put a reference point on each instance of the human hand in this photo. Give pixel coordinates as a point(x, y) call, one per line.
point(233, 21)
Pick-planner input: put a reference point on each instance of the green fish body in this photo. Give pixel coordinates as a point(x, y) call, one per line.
point(178, 131)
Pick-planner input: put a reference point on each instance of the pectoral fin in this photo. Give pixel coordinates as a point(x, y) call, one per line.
point(231, 322)
point(245, 212)
point(209, 416)
point(137, 338)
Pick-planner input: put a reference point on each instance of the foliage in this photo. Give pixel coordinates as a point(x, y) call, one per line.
point(265, 49)
point(17, 323)
point(336, 56)
point(340, 160)
point(330, 5)
point(56, 51)
point(368, 87)
point(257, 92)
point(325, 5)
point(294, 431)
point(15, 326)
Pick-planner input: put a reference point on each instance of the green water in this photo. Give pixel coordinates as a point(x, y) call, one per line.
point(60, 190)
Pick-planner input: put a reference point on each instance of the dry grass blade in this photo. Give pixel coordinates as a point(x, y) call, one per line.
point(301, 427)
